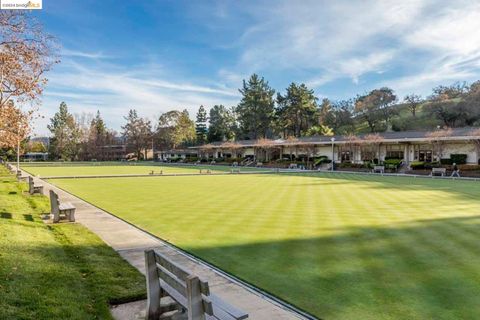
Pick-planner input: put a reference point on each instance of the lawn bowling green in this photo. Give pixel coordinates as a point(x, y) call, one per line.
point(126, 169)
point(339, 246)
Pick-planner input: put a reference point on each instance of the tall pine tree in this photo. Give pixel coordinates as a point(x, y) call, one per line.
point(201, 125)
point(256, 110)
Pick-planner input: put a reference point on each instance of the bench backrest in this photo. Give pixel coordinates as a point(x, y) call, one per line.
point(441, 170)
point(166, 277)
point(378, 167)
point(54, 203)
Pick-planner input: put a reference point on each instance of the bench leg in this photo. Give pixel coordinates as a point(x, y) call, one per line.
point(56, 217)
point(71, 215)
point(153, 286)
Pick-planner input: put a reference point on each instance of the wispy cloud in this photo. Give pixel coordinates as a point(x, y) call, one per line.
point(87, 87)
point(424, 41)
point(81, 54)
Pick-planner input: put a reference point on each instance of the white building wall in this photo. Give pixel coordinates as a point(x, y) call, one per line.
point(461, 148)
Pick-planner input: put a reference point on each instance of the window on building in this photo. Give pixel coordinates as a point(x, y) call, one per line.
point(425, 155)
point(391, 154)
point(345, 156)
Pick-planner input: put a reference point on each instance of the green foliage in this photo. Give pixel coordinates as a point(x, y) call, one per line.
point(416, 165)
point(320, 130)
point(446, 161)
point(296, 110)
point(65, 140)
point(256, 109)
point(458, 158)
point(321, 160)
point(375, 106)
point(223, 124)
point(175, 129)
point(393, 162)
point(201, 125)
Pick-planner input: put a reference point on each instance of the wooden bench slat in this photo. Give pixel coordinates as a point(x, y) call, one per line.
point(172, 280)
point(66, 206)
point(171, 266)
point(174, 294)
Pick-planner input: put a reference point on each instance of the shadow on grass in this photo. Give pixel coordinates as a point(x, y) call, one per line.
point(465, 189)
point(5, 215)
point(426, 269)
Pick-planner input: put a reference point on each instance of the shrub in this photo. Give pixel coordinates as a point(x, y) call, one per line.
point(458, 158)
point(321, 160)
point(393, 162)
point(446, 161)
point(433, 164)
point(416, 165)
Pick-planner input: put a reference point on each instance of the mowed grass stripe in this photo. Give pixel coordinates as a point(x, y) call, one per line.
point(338, 246)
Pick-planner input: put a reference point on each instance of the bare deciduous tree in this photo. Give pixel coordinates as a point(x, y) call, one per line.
point(26, 53)
point(437, 139)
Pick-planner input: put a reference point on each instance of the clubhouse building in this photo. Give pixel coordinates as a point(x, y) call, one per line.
point(409, 146)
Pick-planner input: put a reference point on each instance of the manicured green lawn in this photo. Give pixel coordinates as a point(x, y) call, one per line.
point(84, 170)
point(57, 271)
point(338, 246)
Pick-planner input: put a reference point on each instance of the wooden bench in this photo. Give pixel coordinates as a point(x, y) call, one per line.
point(20, 177)
point(153, 172)
point(58, 209)
point(259, 164)
point(293, 166)
point(205, 171)
point(378, 169)
point(34, 188)
point(438, 172)
point(235, 171)
point(173, 291)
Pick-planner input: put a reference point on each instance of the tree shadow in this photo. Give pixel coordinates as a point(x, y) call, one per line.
point(463, 188)
point(5, 215)
point(425, 269)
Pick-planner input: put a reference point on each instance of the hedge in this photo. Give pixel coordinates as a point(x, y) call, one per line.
point(458, 158)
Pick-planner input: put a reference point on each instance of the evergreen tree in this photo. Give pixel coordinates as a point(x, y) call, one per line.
point(201, 125)
point(223, 124)
point(296, 110)
point(256, 110)
point(65, 141)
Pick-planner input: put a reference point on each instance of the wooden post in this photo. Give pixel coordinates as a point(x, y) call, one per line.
point(153, 286)
point(194, 298)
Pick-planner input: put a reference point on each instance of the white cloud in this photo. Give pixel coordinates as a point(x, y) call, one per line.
point(420, 42)
point(86, 87)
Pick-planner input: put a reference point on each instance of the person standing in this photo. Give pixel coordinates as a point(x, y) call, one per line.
point(455, 172)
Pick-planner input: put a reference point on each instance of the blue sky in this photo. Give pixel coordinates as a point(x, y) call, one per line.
point(161, 55)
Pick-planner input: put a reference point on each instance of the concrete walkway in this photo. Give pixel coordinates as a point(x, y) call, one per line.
point(130, 242)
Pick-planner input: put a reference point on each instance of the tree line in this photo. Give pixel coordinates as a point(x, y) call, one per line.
point(263, 113)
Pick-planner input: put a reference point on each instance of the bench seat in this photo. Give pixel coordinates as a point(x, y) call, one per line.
point(66, 206)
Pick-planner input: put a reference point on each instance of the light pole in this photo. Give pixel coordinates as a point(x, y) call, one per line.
point(333, 152)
